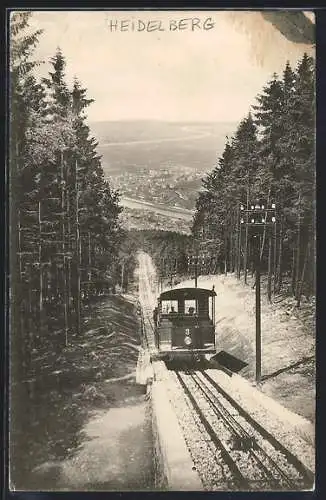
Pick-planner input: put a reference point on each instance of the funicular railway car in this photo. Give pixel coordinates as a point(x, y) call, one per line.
point(185, 323)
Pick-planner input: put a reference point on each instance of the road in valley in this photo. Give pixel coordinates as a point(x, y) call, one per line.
point(168, 211)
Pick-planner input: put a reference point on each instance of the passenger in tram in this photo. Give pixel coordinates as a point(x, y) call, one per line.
point(191, 311)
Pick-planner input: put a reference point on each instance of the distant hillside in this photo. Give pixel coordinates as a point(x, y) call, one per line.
point(129, 145)
point(154, 129)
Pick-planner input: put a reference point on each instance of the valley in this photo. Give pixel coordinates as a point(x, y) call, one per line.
point(161, 163)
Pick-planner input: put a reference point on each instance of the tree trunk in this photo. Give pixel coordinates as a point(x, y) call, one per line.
point(78, 253)
point(63, 249)
point(298, 255)
point(293, 273)
point(245, 257)
point(311, 288)
point(234, 243)
point(40, 263)
point(225, 253)
point(18, 396)
point(69, 248)
point(122, 275)
point(264, 233)
point(89, 257)
point(239, 249)
point(230, 248)
point(300, 285)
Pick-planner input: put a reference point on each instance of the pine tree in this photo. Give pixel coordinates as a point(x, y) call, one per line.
point(98, 203)
point(59, 100)
point(245, 165)
point(22, 45)
point(270, 158)
point(21, 173)
point(303, 143)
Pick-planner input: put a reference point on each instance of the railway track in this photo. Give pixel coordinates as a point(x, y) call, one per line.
point(251, 458)
point(146, 298)
point(229, 448)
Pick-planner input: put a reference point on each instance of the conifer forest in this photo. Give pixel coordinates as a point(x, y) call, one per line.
point(270, 160)
point(67, 243)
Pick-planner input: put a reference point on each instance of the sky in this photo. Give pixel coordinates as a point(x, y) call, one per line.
point(210, 70)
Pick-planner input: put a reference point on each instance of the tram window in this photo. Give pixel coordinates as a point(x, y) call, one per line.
point(169, 306)
point(190, 307)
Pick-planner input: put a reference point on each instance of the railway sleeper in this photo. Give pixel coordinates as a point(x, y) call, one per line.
point(243, 443)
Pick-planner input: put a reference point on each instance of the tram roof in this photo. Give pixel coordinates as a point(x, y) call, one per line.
point(187, 293)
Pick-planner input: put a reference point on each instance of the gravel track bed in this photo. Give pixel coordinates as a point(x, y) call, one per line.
point(264, 468)
point(273, 472)
point(212, 469)
point(261, 467)
point(263, 456)
point(147, 316)
point(149, 329)
point(247, 475)
point(269, 445)
point(284, 430)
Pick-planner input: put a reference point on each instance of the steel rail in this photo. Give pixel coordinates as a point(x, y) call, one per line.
point(240, 479)
point(306, 474)
point(242, 434)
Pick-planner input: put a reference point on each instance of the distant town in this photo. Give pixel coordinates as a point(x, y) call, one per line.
point(174, 185)
point(146, 219)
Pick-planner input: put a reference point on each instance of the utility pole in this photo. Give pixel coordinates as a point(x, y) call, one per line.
point(258, 218)
point(269, 282)
point(196, 263)
point(274, 260)
point(238, 259)
point(258, 309)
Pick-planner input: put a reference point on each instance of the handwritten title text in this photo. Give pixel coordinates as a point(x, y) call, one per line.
point(185, 24)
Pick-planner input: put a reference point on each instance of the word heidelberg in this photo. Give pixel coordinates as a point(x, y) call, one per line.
point(189, 24)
